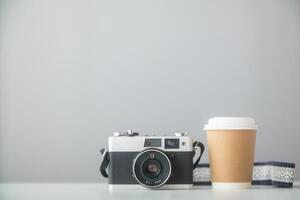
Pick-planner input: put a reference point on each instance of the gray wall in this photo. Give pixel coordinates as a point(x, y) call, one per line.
point(73, 72)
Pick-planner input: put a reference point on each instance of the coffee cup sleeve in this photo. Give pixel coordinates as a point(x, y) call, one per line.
point(279, 174)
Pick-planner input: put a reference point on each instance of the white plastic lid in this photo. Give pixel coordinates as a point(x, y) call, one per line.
point(230, 123)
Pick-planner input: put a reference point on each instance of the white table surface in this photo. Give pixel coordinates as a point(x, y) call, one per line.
point(99, 191)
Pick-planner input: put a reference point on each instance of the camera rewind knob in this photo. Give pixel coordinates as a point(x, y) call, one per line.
point(117, 134)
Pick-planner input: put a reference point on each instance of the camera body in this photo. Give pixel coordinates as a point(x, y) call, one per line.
point(164, 162)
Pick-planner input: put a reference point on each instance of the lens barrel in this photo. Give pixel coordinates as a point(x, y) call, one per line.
point(152, 168)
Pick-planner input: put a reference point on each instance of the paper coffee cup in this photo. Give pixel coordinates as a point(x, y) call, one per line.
point(231, 147)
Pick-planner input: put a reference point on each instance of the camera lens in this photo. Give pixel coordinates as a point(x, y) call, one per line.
point(152, 168)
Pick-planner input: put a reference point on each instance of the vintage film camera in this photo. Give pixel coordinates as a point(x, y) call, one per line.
point(165, 162)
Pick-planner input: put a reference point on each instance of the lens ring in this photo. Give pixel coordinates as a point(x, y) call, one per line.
point(161, 168)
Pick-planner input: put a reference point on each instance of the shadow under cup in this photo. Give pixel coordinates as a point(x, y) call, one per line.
point(231, 154)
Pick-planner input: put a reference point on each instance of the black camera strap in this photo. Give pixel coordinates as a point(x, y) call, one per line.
point(200, 146)
point(104, 163)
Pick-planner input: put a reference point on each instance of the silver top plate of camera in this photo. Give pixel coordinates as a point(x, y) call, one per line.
point(133, 141)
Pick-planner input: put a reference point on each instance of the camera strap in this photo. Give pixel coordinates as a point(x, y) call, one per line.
point(104, 163)
point(279, 174)
point(200, 146)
